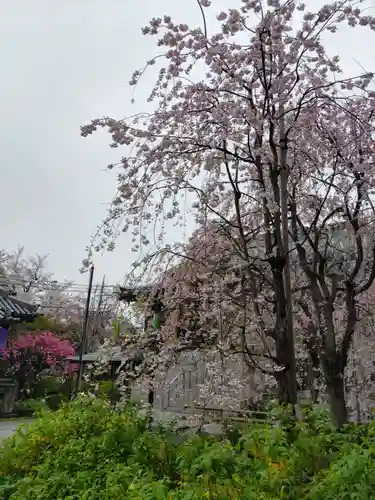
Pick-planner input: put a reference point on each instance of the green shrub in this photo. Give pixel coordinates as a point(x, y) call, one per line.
point(47, 385)
point(108, 390)
point(48, 392)
point(353, 476)
point(54, 401)
point(89, 450)
point(32, 406)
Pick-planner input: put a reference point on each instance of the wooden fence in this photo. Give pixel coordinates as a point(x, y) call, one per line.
point(205, 415)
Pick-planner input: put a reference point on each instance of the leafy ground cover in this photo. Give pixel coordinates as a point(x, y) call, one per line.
point(88, 450)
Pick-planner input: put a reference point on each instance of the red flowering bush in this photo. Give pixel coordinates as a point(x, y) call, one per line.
point(32, 354)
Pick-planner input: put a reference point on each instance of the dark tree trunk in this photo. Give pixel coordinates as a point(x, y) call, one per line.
point(336, 394)
point(334, 367)
point(283, 391)
point(151, 398)
point(290, 372)
point(286, 377)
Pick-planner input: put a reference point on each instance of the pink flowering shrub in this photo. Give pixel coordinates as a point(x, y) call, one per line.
point(34, 353)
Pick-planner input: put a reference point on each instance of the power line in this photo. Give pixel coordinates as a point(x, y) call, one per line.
point(19, 279)
point(47, 287)
point(53, 285)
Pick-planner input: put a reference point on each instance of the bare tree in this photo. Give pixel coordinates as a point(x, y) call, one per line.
point(23, 274)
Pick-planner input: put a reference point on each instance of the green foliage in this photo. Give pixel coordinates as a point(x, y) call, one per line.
point(70, 331)
point(48, 385)
point(108, 390)
point(39, 324)
point(89, 450)
point(54, 401)
point(32, 406)
point(49, 391)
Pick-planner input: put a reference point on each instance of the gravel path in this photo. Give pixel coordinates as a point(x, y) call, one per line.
point(7, 427)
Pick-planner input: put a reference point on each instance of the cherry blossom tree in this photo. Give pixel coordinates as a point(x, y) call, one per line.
point(33, 354)
point(218, 302)
point(22, 274)
point(28, 278)
point(254, 140)
point(333, 229)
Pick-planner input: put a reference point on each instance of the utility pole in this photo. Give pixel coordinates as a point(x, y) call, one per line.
point(99, 309)
point(84, 331)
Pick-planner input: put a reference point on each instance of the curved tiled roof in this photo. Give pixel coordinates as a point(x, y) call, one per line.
point(11, 307)
point(114, 355)
point(132, 294)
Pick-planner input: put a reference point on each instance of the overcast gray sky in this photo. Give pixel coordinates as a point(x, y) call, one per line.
point(64, 62)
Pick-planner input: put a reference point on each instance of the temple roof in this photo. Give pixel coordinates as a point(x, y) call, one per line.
point(129, 295)
point(10, 307)
point(114, 355)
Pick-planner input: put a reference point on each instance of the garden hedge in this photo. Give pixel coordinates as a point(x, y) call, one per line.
point(89, 450)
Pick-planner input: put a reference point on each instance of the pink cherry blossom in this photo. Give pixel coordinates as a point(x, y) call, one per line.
point(270, 151)
point(52, 349)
